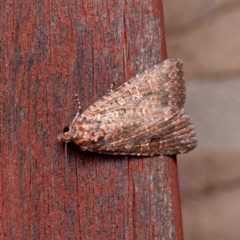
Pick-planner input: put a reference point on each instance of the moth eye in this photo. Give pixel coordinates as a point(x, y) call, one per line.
point(66, 129)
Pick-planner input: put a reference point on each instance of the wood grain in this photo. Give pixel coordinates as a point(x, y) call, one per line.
point(51, 50)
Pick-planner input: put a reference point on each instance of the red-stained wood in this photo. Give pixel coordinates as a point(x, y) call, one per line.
point(51, 50)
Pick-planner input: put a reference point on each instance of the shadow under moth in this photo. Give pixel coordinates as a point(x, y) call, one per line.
point(143, 117)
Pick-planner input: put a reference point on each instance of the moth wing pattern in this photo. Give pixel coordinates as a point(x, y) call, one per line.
point(173, 135)
point(164, 82)
point(144, 116)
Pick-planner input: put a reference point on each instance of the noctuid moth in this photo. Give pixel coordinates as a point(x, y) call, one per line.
point(143, 117)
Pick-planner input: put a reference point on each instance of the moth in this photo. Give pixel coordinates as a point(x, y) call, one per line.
point(143, 117)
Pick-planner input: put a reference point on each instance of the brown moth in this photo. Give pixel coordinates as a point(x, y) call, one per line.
point(143, 117)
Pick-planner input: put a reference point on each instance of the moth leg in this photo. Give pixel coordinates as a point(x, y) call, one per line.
point(83, 157)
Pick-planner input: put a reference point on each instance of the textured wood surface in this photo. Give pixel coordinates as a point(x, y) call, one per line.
point(51, 50)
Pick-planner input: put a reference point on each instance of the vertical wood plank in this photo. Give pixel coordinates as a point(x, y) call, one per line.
point(51, 50)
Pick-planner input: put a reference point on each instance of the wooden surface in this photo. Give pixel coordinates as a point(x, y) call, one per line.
point(51, 50)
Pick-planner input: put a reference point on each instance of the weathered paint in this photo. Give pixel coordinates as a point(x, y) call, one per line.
point(49, 51)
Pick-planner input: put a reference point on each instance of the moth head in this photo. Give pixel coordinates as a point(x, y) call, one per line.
point(69, 132)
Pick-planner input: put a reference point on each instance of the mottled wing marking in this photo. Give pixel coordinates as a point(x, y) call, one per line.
point(143, 117)
point(162, 81)
point(173, 136)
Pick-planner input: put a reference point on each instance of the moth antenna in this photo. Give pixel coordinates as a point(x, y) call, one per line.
point(78, 103)
point(66, 150)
